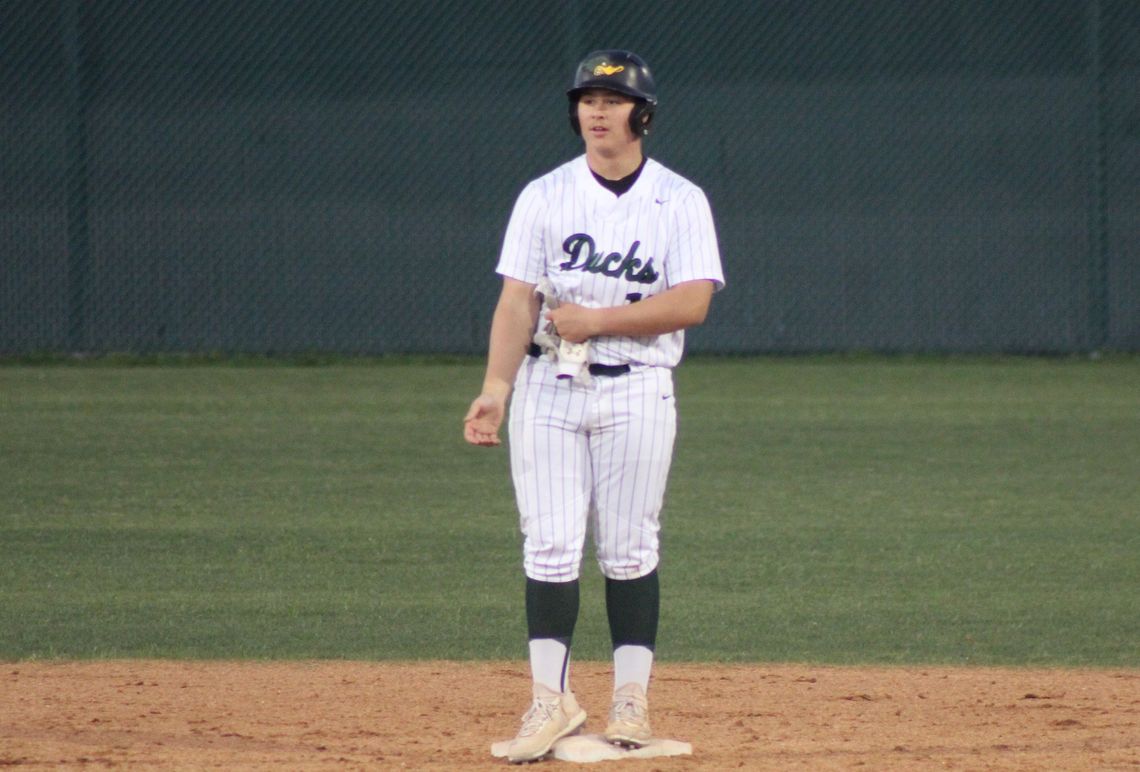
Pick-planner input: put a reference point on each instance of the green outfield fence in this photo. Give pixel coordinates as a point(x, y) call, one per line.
point(276, 176)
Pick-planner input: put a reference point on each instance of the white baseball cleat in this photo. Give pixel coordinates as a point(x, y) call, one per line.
point(629, 717)
point(551, 717)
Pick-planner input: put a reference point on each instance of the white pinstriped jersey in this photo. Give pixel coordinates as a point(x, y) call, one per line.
point(601, 250)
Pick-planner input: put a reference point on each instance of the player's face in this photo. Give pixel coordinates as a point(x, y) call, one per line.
point(604, 118)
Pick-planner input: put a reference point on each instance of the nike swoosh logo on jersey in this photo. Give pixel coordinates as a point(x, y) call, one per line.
point(660, 200)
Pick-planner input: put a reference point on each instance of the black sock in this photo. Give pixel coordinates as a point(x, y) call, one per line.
point(551, 609)
point(633, 607)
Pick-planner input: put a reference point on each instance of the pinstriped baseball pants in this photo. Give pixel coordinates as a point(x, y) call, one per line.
point(591, 457)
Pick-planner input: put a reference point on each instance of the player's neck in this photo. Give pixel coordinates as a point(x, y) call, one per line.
point(614, 167)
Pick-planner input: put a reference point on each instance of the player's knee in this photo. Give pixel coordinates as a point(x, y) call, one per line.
point(631, 560)
point(547, 564)
point(628, 566)
point(550, 572)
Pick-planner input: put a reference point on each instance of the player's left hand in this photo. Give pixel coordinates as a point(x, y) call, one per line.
point(573, 322)
point(481, 424)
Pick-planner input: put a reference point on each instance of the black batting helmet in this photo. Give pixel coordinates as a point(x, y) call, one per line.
point(624, 72)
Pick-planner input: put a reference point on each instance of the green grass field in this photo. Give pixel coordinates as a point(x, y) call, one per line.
point(830, 510)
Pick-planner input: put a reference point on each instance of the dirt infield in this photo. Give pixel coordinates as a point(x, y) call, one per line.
point(445, 715)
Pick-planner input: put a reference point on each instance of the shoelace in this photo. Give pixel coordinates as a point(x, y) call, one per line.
point(628, 709)
point(540, 712)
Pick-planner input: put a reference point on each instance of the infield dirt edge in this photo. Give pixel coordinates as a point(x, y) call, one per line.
point(173, 714)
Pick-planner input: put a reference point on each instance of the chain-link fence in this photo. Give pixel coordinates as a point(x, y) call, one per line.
point(291, 175)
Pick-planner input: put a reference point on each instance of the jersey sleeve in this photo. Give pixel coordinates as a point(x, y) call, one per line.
point(522, 255)
point(695, 254)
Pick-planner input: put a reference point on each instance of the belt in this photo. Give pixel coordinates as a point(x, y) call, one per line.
point(606, 371)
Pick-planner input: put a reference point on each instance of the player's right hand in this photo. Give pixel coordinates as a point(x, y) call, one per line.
point(573, 322)
point(481, 424)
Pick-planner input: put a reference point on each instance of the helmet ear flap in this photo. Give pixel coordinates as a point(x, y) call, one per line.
point(575, 124)
point(641, 118)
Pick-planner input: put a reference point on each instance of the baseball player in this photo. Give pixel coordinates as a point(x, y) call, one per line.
point(606, 260)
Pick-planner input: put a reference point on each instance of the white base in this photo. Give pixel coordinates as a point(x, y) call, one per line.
point(586, 748)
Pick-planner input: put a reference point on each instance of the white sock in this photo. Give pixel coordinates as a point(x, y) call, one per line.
point(550, 663)
point(632, 664)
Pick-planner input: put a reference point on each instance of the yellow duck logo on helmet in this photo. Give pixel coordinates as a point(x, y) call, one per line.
point(608, 69)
